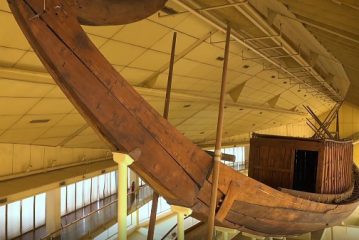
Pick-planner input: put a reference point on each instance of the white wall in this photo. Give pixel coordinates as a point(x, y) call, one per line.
point(18, 158)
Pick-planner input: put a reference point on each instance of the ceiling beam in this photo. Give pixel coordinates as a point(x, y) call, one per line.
point(220, 25)
point(31, 76)
point(73, 135)
point(152, 79)
point(179, 95)
point(252, 15)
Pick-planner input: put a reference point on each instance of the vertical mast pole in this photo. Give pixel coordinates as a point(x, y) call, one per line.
point(217, 152)
point(151, 227)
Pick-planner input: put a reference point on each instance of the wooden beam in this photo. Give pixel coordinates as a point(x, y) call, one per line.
point(315, 117)
point(151, 227)
point(217, 157)
point(170, 77)
point(224, 156)
point(337, 136)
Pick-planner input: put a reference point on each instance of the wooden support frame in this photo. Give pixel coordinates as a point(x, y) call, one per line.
point(217, 151)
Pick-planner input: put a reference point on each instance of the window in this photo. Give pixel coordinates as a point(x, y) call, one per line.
point(2, 222)
point(13, 219)
point(19, 217)
point(141, 182)
point(70, 198)
point(238, 152)
point(94, 189)
point(27, 214)
point(144, 212)
point(85, 192)
point(101, 186)
point(40, 210)
point(79, 194)
point(63, 200)
point(113, 183)
point(163, 206)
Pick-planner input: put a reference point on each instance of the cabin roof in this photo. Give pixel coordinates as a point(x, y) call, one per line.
point(257, 135)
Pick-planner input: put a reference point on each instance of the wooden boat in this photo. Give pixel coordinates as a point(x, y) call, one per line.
point(130, 125)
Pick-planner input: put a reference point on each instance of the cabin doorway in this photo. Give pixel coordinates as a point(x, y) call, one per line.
point(305, 171)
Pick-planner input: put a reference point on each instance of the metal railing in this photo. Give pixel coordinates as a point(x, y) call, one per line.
point(188, 223)
point(238, 166)
point(98, 219)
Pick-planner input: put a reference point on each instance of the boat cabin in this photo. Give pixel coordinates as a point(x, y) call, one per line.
point(302, 164)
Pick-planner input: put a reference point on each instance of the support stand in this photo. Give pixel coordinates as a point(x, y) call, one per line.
point(123, 162)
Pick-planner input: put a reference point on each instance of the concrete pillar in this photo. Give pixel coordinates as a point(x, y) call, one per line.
point(123, 161)
point(181, 213)
point(53, 211)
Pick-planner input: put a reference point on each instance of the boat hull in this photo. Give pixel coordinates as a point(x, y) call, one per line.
point(168, 161)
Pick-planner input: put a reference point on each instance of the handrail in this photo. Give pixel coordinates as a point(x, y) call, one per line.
point(236, 166)
point(174, 226)
point(93, 212)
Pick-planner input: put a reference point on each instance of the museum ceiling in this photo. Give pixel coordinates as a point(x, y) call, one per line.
point(277, 65)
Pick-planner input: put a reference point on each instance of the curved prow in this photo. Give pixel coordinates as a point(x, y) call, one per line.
point(109, 104)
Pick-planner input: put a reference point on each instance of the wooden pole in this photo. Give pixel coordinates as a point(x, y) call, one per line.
point(151, 226)
point(310, 111)
point(217, 156)
point(169, 80)
point(337, 126)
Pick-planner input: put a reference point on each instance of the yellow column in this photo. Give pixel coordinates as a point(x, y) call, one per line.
point(123, 161)
point(53, 211)
point(181, 213)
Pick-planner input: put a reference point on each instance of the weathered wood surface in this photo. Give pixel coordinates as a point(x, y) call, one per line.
point(320, 197)
point(110, 12)
point(170, 163)
point(274, 165)
point(338, 161)
point(225, 156)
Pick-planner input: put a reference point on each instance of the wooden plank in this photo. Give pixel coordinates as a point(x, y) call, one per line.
point(286, 215)
point(271, 227)
point(70, 73)
point(224, 156)
point(104, 12)
point(151, 225)
point(191, 158)
point(228, 201)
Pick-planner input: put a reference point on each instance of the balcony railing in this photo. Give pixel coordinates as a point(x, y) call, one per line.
point(172, 233)
point(90, 224)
